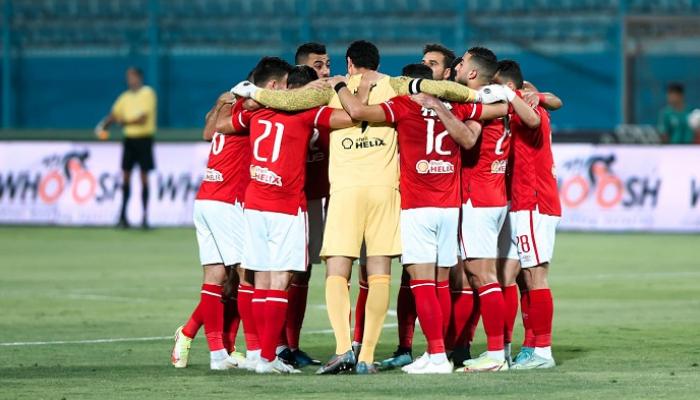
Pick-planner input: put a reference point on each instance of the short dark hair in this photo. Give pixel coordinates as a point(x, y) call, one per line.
point(453, 71)
point(675, 87)
point(270, 68)
point(305, 49)
point(363, 54)
point(485, 61)
point(449, 55)
point(417, 71)
point(510, 70)
point(483, 52)
point(300, 76)
point(136, 70)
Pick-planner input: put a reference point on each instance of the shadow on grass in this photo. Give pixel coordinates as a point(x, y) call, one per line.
point(564, 354)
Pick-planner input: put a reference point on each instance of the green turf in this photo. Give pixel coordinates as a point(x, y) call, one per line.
point(627, 323)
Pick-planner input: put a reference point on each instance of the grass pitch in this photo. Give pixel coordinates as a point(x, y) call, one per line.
point(84, 312)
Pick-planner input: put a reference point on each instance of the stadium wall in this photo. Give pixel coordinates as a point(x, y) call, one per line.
point(602, 188)
point(75, 92)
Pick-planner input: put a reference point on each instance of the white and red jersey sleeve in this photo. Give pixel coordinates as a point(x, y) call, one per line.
point(226, 177)
point(240, 117)
point(467, 111)
point(279, 146)
point(429, 157)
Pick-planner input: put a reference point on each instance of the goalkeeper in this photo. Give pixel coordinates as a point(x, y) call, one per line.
point(365, 201)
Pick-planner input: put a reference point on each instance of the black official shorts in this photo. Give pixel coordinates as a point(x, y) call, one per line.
point(138, 151)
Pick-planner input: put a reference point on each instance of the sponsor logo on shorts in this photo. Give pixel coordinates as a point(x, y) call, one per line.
point(264, 175)
point(434, 167)
point(554, 171)
point(499, 166)
point(362, 143)
point(212, 175)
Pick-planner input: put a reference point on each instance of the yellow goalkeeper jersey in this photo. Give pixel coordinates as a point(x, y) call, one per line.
point(364, 154)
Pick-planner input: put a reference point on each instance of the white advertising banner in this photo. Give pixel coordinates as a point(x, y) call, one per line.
point(629, 188)
point(79, 183)
point(606, 188)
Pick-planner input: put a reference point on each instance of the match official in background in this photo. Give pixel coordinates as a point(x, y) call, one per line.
point(135, 111)
point(673, 118)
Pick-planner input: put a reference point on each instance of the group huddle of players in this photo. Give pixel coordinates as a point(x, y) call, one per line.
point(449, 167)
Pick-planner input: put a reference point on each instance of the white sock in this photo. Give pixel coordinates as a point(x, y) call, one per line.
point(438, 358)
point(280, 349)
point(544, 352)
point(252, 354)
point(499, 355)
point(218, 355)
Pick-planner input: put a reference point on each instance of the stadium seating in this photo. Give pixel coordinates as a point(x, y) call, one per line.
point(226, 25)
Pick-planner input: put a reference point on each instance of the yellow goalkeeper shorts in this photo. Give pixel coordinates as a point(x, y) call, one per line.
point(354, 213)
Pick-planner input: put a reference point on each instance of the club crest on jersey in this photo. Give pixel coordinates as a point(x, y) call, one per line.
point(434, 167)
point(499, 166)
point(212, 175)
point(264, 175)
point(427, 112)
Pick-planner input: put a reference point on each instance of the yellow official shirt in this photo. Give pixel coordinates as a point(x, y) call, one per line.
point(364, 154)
point(130, 105)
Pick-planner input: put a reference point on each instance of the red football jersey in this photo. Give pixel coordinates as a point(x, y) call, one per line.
point(484, 166)
point(317, 184)
point(534, 179)
point(429, 157)
point(227, 176)
point(279, 145)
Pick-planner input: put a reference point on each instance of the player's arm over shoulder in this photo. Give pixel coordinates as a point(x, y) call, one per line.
point(303, 98)
point(447, 90)
point(355, 108)
point(493, 111)
point(233, 118)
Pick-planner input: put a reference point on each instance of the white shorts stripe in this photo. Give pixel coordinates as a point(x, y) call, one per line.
point(422, 284)
point(277, 299)
point(485, 292)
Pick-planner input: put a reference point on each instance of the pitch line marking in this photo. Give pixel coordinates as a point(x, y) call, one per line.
point(135, 339)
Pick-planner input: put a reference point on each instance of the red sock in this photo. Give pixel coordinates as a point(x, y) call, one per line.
point(194, 323)
point(360, 312)
point(429, 314)
point(245, 297)
point(445, 299)
point(462, 305)
point(492, 310)
point(474, 319)
point(257, 308)
point(232, 319)
point(213, 315)
point(529, 339)
point(295, 313)
point(406, 316)
point(275, 311)
point(540, 314)
point(510, 301)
